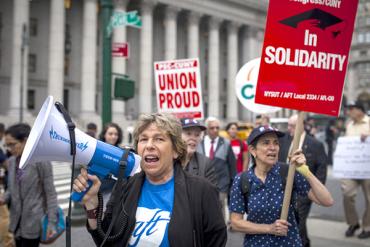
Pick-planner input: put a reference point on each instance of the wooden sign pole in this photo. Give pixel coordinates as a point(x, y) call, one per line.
point(299, 128)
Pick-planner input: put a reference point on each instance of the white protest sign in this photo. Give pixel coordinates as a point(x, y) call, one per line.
point(245, 86)
point(178, 88)
point(352, 158)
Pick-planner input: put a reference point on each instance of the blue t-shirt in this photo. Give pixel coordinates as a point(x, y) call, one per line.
point(264, 206)
point(153, 215)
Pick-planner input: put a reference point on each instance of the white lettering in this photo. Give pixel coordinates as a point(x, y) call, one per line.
point(270, 53)
point(304, 58)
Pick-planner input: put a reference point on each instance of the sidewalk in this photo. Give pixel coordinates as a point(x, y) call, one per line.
point(334, 231)
point(323, 233)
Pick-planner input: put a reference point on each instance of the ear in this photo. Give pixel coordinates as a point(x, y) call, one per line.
point(175, 155)
point(252, 151)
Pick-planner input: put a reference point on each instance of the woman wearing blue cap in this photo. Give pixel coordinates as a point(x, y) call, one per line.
point(262, 200)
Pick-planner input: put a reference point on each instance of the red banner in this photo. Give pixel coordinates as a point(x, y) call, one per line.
point(305, 54)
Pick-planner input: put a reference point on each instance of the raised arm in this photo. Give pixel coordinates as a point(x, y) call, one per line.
point(318, 192)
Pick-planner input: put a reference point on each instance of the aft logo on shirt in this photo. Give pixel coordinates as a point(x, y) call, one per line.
point(150, 227)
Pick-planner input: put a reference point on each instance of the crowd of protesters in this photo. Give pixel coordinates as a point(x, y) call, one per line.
point(191, 183)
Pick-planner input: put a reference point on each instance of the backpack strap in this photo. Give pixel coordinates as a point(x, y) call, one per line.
point(284, 168)
point(245, 188)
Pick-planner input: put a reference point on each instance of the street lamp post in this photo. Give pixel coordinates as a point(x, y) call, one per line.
point(106, 11)
point(23, 48)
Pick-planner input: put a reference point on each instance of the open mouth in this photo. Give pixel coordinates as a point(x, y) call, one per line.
point(272, 155)
point(151, 158)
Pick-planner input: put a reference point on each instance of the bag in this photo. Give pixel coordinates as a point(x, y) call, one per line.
point(59, 227)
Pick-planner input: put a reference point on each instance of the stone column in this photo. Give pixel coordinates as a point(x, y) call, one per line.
point(19, 68)
point(214, 68)
point(232, 67)
point(250, 45)
point(146, 58)
point(118, 63)
point(250, 51)
point(259, 40)
point(170, 33)
point(193, 34)
point(56, 50)
point(351, 82)
point(89, 56)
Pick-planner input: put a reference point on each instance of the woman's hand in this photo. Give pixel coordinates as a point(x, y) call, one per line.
point(50, 232)
point(299, 160)
point(90, 199)
point(279, 228)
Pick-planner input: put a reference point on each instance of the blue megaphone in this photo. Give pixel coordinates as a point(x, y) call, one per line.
point(49, 141)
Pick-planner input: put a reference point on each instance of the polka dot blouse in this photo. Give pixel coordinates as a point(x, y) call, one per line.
point(264, 206)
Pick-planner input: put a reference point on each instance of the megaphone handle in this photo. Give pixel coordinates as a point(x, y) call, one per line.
point(77, 196)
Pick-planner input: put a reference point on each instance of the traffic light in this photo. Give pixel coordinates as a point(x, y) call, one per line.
point(124, 87)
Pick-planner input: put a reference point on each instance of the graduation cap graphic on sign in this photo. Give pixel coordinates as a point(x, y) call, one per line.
point(316, 18)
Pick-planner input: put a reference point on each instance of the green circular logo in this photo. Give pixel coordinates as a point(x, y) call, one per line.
point(244, 93)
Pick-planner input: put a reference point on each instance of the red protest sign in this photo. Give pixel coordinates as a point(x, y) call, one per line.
point(178, 88)
point(305, 54)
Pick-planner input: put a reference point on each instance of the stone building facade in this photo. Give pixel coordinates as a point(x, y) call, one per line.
point(54, 47)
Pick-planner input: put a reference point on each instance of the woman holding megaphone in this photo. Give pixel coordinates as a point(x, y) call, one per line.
point(30, 192)
point(165, 206)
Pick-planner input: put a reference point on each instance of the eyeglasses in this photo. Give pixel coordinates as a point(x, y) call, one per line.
point(10, 144)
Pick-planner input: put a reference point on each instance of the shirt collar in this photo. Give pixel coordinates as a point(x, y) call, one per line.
point(209, 139)
point(273, 171)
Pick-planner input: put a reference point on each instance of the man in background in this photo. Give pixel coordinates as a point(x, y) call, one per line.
point(317, 161)
point(262, 120)
point(91, 129)
point(218, 149)
point(359, 125)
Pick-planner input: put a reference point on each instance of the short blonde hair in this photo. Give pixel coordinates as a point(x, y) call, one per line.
point(167, 123)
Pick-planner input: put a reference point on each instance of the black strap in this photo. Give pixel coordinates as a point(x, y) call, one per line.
point(245, 188)
point(284, 168)
point(71, 126)
point(71, 129)
point(244, 183)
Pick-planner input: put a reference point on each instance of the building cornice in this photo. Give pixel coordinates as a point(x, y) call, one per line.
point(245, 14)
